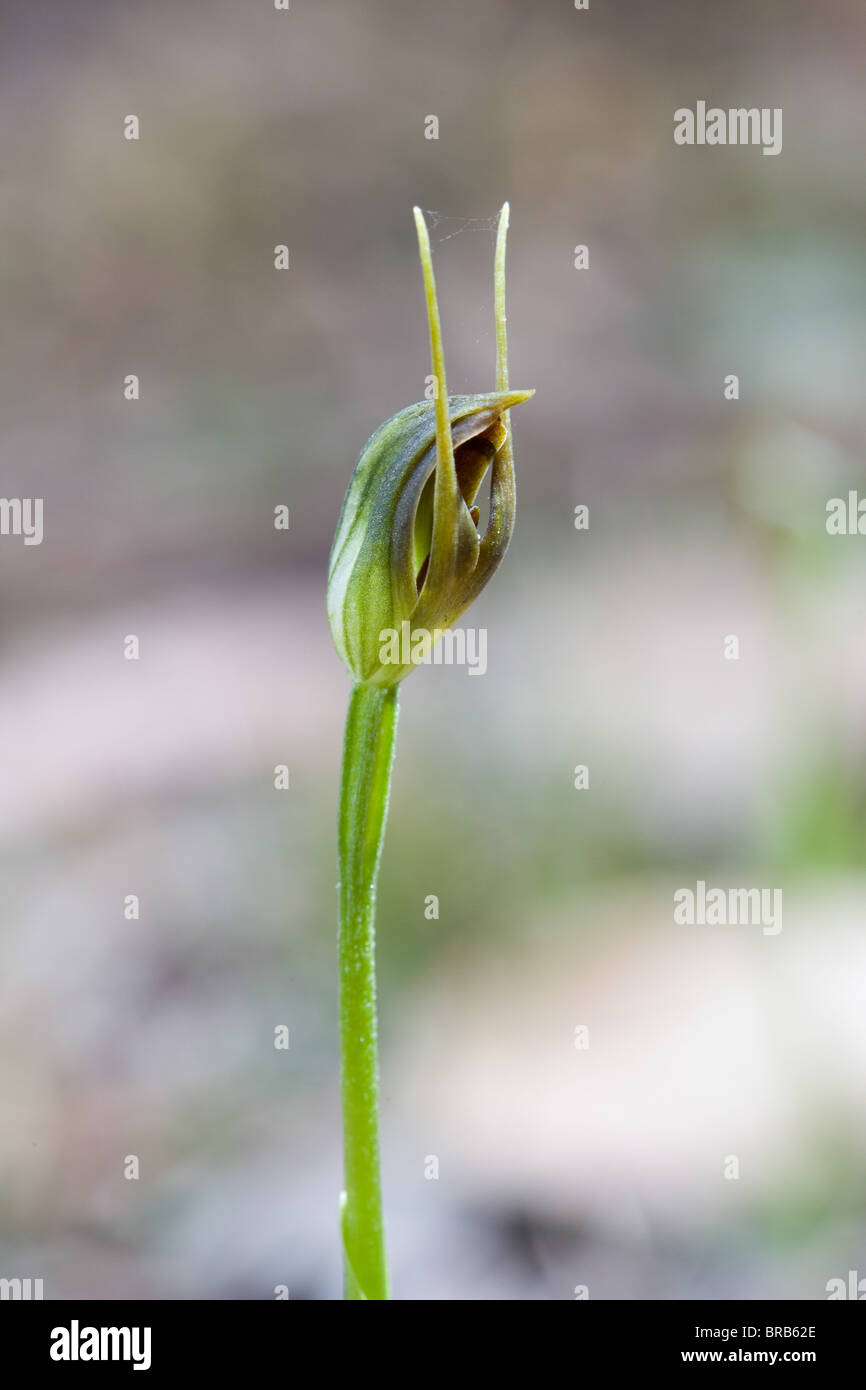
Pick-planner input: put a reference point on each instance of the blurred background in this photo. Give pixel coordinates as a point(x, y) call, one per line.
point(558, 1166)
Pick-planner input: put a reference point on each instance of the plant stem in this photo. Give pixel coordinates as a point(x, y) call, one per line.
point(368, 754)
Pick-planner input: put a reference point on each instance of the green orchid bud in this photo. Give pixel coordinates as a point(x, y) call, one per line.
point(407, 558)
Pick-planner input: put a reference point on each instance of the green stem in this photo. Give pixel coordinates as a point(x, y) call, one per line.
point(368, 754)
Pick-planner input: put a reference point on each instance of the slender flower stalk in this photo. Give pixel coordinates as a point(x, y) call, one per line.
point(407, 551)
point(371, 728)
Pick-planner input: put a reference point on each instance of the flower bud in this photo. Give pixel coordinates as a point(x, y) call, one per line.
point(407, 557)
